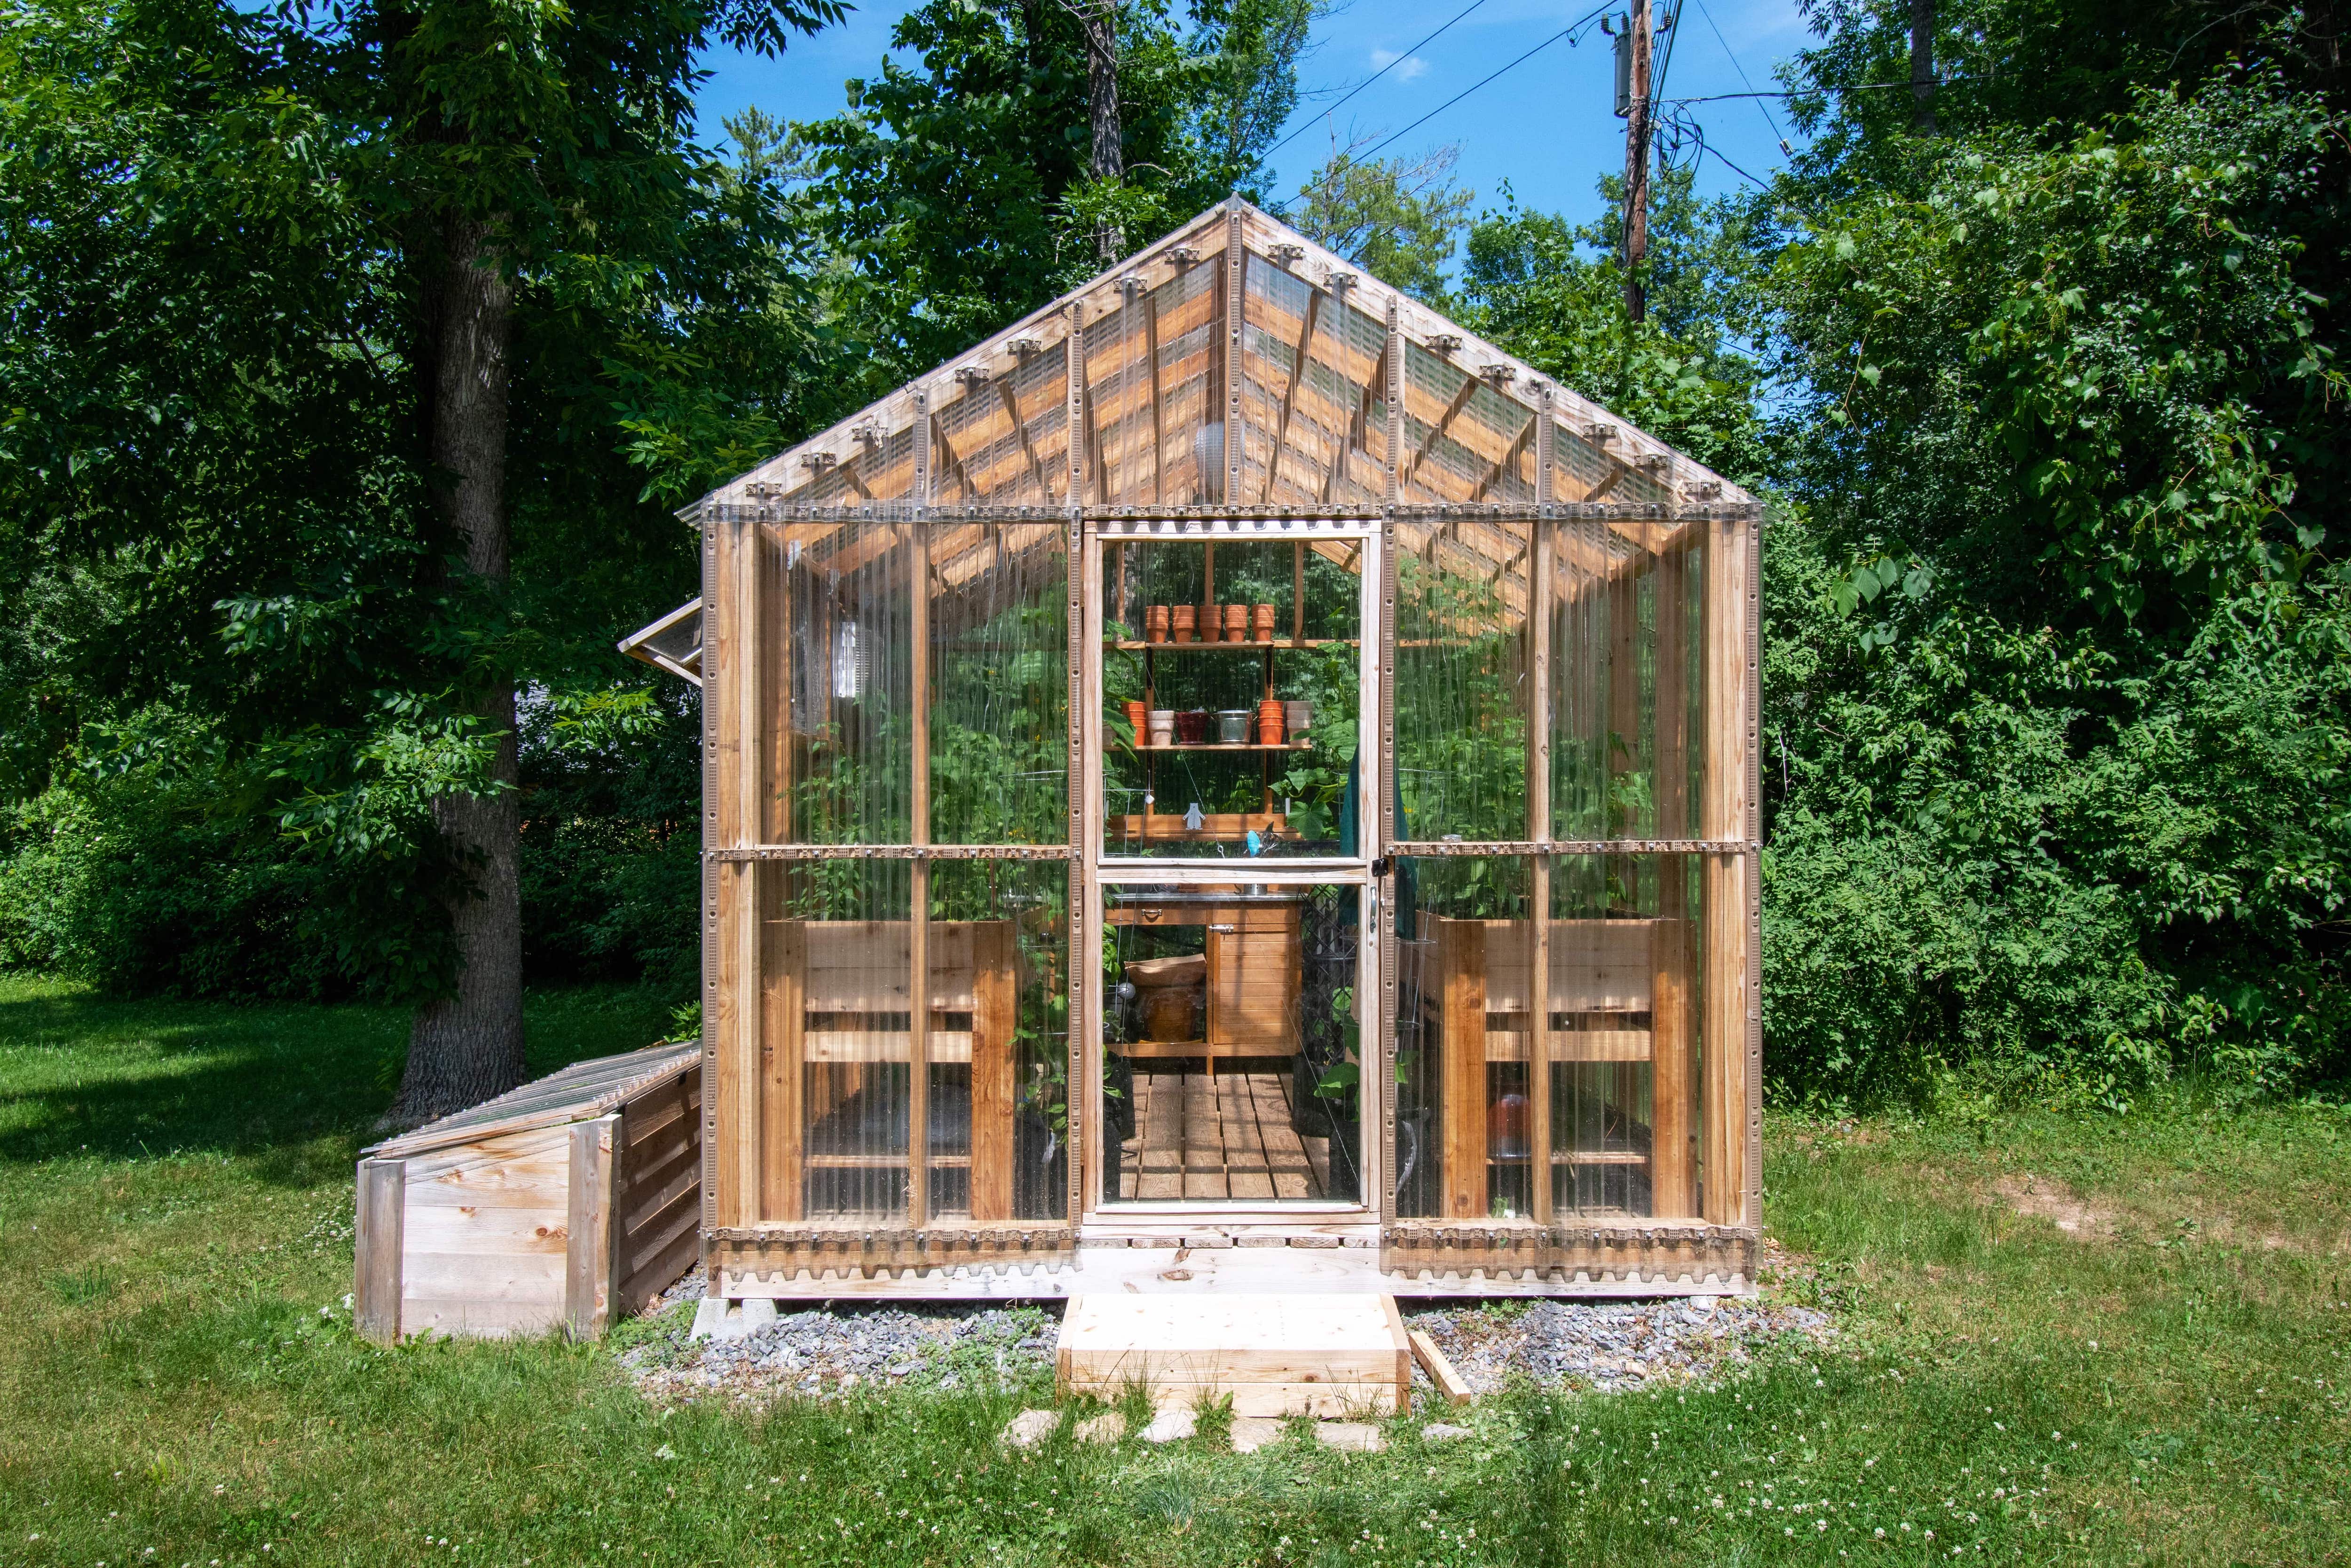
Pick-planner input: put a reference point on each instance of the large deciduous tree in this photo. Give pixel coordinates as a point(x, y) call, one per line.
point(352, 350)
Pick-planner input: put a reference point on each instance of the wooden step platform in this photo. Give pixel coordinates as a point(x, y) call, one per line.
point(1327, 1356)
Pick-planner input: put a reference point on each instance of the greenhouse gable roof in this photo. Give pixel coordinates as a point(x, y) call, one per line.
point(1307, 393)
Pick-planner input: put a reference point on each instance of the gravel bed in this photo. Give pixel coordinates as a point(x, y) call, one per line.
point(825, 1353)
point(1612, 1347)
point(828, 1351)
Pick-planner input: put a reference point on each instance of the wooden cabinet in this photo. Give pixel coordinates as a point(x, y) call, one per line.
point(1254, 962)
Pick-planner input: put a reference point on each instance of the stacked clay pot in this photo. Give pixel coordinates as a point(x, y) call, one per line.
point(1180, 624)
point(1155, 623)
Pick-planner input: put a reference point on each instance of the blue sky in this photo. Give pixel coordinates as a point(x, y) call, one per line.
point(1548, 127)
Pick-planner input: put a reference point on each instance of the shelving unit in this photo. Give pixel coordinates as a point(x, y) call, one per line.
point(1267, 649)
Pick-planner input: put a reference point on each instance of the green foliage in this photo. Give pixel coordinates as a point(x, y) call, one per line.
point(955, 194)
point(1399, 217)
point(236, 639)
point(2055, 722)
point(1529, 285)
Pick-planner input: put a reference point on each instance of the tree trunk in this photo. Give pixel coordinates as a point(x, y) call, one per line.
point(1922, 66)
point(466, 1047)
point(1101, 93)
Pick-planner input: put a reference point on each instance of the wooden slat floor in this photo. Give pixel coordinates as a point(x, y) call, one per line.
point(1224, 1138)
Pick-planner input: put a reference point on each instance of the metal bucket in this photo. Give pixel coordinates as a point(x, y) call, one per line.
point(1232, 726)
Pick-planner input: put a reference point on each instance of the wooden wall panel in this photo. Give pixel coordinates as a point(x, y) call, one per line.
point(1724, 1038)
point(995, 1050)
point(1461, 974)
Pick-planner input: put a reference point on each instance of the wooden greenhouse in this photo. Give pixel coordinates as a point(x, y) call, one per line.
point(1232, 763)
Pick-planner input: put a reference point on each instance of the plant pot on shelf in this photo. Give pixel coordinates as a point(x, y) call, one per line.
point(1269, 723)
point(1162, 722)
point(1155, 623)
point(1180, 620)
point(1211, 621)
point(1232, 726)
point(1261, 622)
point(1237, 622)
point(1137, 721)
point(1297, 718)
point(1192, 727)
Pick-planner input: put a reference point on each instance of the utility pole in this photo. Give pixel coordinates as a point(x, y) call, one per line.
point(1635, 43)
point(1922, 66)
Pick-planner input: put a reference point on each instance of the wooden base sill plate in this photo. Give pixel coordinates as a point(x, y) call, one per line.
point(1328, 1356)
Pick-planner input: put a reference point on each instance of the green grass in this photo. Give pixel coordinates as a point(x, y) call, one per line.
point(175, 1211)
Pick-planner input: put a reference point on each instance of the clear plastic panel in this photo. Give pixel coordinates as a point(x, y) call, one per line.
point(1309, 359)
point(882, 468)
point(840, 974)
point(1625, 1075)
point(1232, 1044)
point(1282, 785)
point(1475, 445)
point(1119, 402)
point(999, 683)
point(843, 765)
point(1627, 679)
point(1185, 312)
point(1463, 1121)
point(1004, 441)
point(1460, 687)
point(1591, 462)
point(998, 947)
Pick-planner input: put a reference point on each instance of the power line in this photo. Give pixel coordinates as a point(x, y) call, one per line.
point(1779, 135)
point(1374, 77)
point(1457, 98)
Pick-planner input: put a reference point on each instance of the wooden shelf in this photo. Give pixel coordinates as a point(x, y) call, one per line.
point(1220, 746)
point(1231, 647)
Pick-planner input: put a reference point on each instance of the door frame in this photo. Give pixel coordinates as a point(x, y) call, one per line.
point(1358, 870)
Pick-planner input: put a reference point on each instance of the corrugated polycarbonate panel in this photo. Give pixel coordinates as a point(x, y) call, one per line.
point(1586, 469)
point(1004, 441)
point(1463, 934)
point(1118, 394)
point(1465, 440)
point(1460, 693)
point(1186, 310)
point(999, 1111)
point(881, 467)
point(999, 684)
point(1623, 944)
point(1627, 679)
point(1307, 386)
point(844, 766)
point(840, 961)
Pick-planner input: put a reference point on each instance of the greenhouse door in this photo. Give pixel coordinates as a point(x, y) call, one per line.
point(1231, 682)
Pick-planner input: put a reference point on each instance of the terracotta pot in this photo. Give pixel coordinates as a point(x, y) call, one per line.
point(1298, 716)
point(1261, 621)
point(1136, 721)
point(1180, 622)
point(1237, 622)
point(1269, 732)
point(1211, 623)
